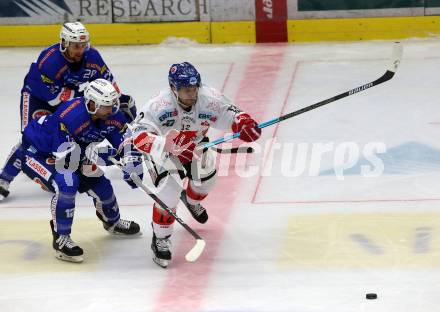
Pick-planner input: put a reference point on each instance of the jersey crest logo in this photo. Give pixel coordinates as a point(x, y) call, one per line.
point(40, 113)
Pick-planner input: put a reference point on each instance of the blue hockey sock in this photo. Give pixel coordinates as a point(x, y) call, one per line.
point(13, 164)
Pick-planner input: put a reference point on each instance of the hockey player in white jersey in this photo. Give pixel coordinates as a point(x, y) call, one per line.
point(167, 130)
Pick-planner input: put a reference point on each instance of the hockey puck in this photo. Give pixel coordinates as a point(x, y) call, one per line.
point(371, 296)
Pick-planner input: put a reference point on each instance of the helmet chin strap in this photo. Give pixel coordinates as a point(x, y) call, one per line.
point(63, 48)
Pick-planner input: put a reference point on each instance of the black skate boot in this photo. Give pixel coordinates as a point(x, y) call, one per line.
point(197, 211)
point(65, 247)
point(161, 248)
point(122, 227)
point(4, 189)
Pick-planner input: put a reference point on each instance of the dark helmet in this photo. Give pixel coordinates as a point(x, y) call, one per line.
point(183, 75)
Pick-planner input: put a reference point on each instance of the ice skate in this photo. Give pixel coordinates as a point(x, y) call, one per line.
point(197, 211)
point(161, 248)
point(4, 189)
point(122, 227)
point(65, 248)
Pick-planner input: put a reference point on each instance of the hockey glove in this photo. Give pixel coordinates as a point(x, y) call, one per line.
point(132, 162)
point(128, 107)
point(100, 155)
point(180, 144)
point(247, 127)
point(177, 143)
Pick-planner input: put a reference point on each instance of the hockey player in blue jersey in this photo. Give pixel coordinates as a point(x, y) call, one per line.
point(57, 154)
point(60, 73)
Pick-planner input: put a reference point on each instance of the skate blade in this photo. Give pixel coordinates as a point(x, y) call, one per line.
point(3, 194)
point(3, 197)
point(161, 262)
point(75, 259)
point(117, 234)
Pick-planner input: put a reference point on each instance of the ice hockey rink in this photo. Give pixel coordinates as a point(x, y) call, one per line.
point(335, 203)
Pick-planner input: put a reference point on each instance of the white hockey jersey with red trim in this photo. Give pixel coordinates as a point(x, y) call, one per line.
point(162, 113)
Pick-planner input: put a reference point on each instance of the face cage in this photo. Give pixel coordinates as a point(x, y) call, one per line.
point(115, 107)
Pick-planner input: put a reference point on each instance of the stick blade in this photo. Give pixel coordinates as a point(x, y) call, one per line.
point(196, 251)
point(396, 57)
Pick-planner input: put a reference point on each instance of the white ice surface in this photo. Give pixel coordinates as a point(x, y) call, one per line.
point(307, 242)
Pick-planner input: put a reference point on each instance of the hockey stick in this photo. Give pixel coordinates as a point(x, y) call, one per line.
point(395, 61)
point(233, 150)
point(197, 250)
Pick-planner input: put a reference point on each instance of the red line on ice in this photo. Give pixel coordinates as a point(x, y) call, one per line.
point(185, 283)
point(274, 134)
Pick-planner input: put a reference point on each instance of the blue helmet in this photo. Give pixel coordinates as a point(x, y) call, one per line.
point(183, 75)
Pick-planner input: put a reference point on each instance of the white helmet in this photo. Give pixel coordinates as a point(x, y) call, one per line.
point(102, 93)
point(73, 32)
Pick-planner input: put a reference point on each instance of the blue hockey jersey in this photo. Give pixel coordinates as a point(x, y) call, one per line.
point(53, 79)
point(71, 122)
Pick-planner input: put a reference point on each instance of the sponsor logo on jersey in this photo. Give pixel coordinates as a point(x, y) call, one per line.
point(63, 127)
point(46, 79)
point(41, 184)
point(94, 66)
point(169, 123)
point(45, 57)
point(124, 127)
point(38, 168)
point(112, 122)
point(160, 104)
point(103, 69)
point(70, 108)
point(82, 127)
point(168, 114)
point(50, 161)
point(40, 113)
point(25, 110)
point(115, 85)
point(32, 149)
point(188, 119)
point(214, 106)
point(61, 72)
point(208, 116)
